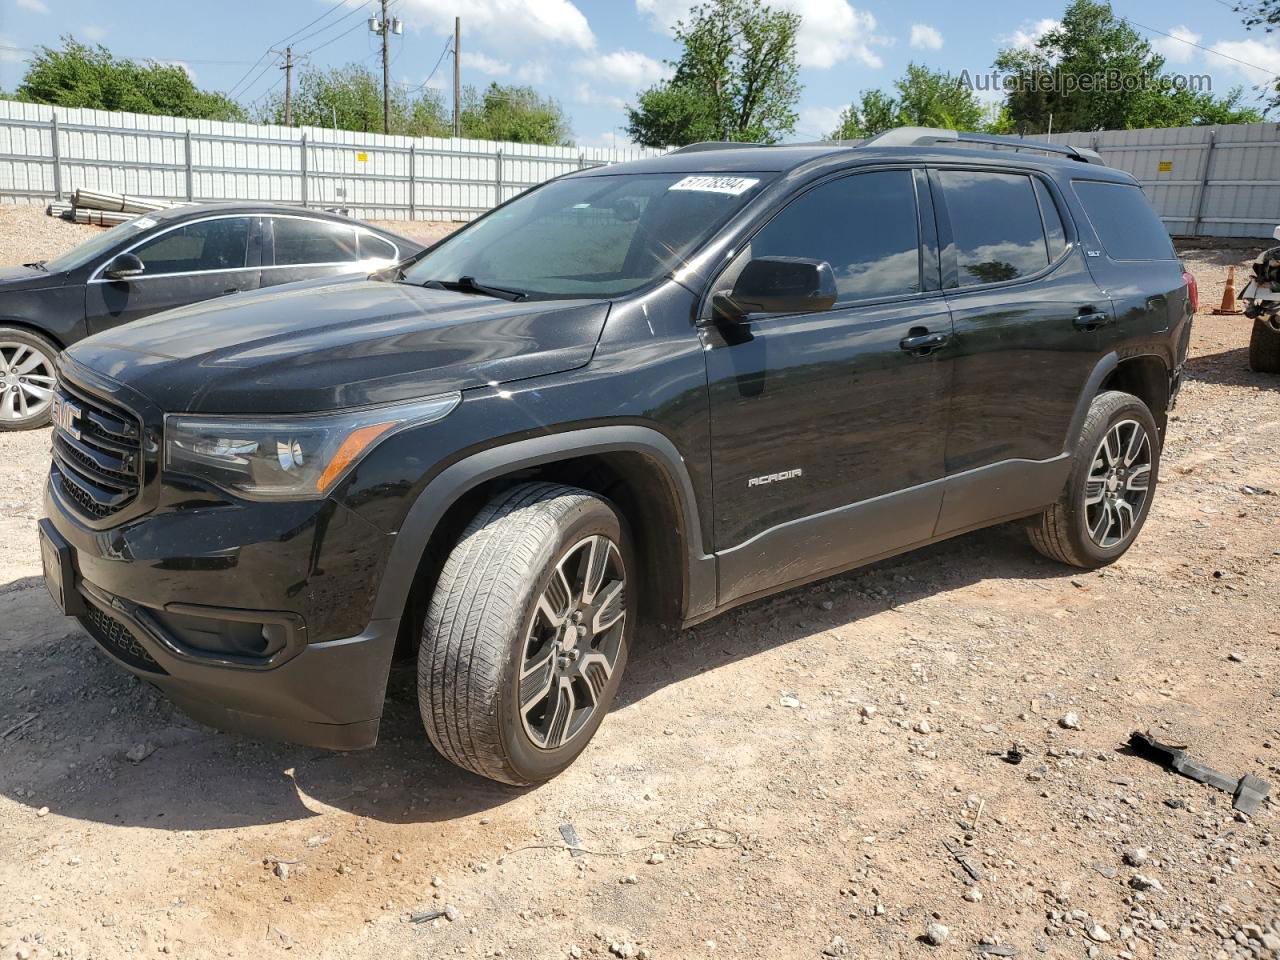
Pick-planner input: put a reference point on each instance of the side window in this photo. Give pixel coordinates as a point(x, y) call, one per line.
point(1053, 232)
point(864, 225)
point(995, 225)
point(1127, 226)
point(300, 241)
point(221, 244)
point(373, 247)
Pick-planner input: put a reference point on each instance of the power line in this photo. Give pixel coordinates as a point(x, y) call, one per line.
point(291, 37)
point(1216, 53)
point(448, 45)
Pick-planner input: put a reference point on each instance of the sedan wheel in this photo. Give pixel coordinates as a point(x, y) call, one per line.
point(26, 380)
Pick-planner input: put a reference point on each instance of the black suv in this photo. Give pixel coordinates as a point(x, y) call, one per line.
point(633, 395)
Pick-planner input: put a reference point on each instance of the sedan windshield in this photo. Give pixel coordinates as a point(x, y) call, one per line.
point(600, 236)
point(105, 242)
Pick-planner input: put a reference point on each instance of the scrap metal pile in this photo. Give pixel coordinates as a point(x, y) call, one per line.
point(104, 209)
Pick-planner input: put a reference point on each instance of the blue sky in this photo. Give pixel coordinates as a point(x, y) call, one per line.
point(593, 55)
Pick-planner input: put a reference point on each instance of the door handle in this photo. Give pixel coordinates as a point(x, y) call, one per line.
point(1092, 321)
point(231, 290)
point(922, 344)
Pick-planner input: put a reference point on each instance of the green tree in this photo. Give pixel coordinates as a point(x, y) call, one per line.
point(924, 98)
point(514, 114)
point(79, 75)
point(350, 98)
point(1095, 72)
point(736, 79)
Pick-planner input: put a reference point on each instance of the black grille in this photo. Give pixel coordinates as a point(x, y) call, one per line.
point(118, 640)
point(98, 452)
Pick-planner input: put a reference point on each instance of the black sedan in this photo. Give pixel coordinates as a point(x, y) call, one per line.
point(163, 260)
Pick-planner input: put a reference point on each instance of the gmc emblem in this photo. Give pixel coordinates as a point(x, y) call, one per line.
point(66, 416)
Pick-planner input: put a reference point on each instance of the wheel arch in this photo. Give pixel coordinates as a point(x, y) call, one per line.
point(29, 327)
point(637, 468)
point(1146, 376)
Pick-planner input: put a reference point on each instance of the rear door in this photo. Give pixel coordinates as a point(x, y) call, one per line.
point(192, 262)
point(814, 413)
point(1028, 319)
point(304, 248)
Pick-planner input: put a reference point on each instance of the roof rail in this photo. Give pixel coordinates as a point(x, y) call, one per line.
point(705, 145)
point(923, 136)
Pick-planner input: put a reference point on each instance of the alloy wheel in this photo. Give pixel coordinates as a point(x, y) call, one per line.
point(572, 644)
point(26, 381)
point(1118, 483)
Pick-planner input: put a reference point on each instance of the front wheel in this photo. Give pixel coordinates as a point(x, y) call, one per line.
point(1108, 494)
point(527, 633)
point(26, 379)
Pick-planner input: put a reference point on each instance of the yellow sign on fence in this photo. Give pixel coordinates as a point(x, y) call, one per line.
point(1165, 166)
point(364, 158)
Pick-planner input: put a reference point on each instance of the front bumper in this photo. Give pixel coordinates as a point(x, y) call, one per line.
point(178, 615)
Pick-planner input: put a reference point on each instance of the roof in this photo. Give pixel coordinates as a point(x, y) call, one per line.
point(189, 210)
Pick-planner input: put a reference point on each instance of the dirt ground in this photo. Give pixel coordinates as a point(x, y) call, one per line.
point(789, 780)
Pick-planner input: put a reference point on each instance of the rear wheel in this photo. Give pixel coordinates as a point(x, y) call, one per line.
point(1264, 347)
point(26, 379)
point(527, 632)
point(1108, 494)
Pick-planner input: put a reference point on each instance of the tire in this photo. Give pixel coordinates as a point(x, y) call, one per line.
point(1264, 348)
point(1102, 492)
point(26, 379)
point(512, 618)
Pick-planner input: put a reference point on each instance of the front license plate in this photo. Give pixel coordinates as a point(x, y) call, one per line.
point(59, 575)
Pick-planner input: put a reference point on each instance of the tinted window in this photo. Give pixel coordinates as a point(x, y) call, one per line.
point(602, 236)
point(995, 225)
point(1127, 226)
point(1053, 232)
point(864, 226)
point(221, 244)
point(375, 248)
point(314, 241)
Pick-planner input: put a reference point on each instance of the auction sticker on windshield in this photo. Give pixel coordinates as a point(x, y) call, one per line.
point(730, 185)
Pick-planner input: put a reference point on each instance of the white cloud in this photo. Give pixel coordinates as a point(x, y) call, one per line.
point(93, 32)
point(1026, 36)
point(484, 64)
point(181, 65)
point(587, 94)
point(831, 31)
point(1177, 48)
point(624, 68)
point(507, 24)
point(1264, 55)
point(9, 52)
point(534, 73)
point(925, 37)
point(816, 123)
point(36, 6)
point(611, 139)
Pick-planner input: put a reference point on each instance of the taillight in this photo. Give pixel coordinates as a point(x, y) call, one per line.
point(1193, 291)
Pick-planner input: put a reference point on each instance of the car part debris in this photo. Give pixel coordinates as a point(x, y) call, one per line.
point(426, 917)
point(571, 838)
point(997, 949)
point(1246, 792)
point(969, 868)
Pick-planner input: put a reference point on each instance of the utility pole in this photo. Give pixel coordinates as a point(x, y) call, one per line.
point(457, 76)
point(288, 86)
point(384, 28)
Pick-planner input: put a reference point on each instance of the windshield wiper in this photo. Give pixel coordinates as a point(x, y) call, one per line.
point(37, 265)
point(471, 285)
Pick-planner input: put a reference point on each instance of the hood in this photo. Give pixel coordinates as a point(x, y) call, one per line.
point(28, 278)
point(339, 345)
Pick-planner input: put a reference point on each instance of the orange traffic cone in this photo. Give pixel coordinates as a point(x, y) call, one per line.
point(1229, 308)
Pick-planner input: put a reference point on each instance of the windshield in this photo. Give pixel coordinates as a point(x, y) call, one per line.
point(104, 242)
point(601, 236)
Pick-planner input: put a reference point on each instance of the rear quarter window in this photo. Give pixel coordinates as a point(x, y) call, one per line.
point(1127, 226)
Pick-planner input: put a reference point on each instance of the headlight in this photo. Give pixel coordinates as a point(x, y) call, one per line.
point(287, 457)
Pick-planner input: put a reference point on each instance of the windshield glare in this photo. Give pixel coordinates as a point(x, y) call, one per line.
point(77, 257)
point(599, 236)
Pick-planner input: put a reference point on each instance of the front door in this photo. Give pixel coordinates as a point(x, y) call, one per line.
point(194, 262)
point(828, 428)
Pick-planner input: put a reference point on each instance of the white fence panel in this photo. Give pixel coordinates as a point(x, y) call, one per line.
point(47, 152)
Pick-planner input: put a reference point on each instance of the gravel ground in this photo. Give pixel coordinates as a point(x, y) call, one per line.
point(786, 781)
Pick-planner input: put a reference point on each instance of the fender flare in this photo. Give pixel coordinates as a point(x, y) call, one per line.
point(458, 478)
point(1101, 370)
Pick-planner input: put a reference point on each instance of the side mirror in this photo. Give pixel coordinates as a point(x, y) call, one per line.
point(778, 285)
point(123, 267)
point(1276, 233)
